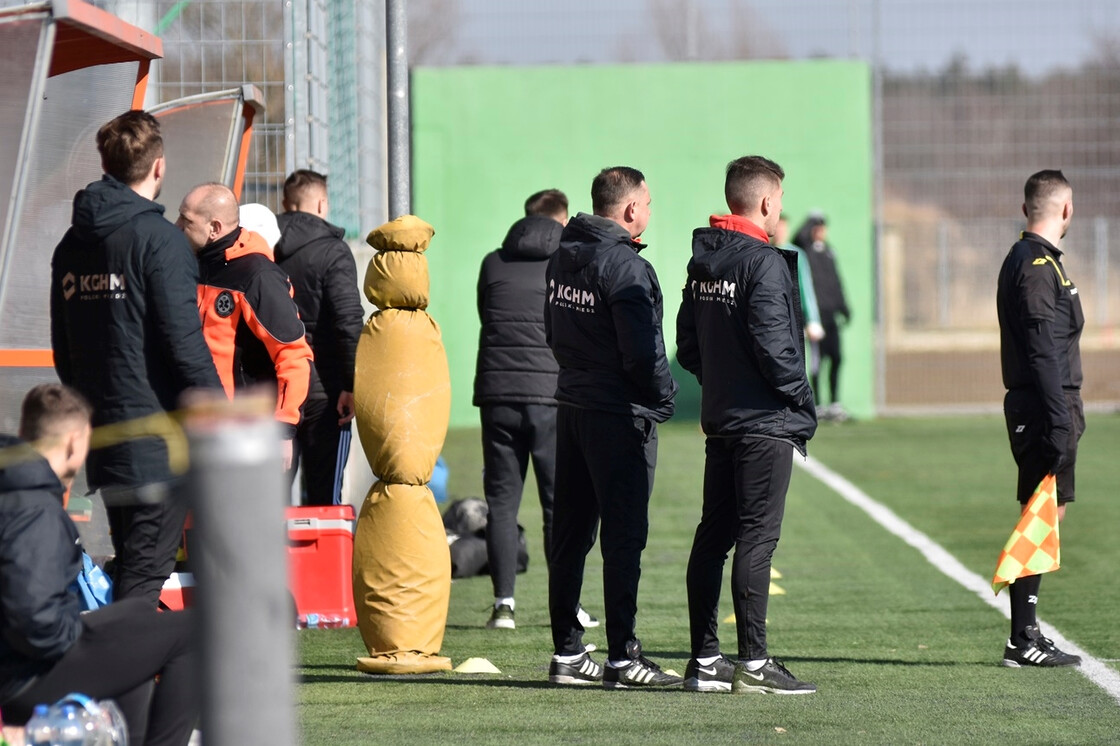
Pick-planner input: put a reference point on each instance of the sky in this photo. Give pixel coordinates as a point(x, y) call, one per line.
point(1038, 35)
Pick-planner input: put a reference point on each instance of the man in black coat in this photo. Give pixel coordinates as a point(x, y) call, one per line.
point(125, 333)
point(603, 323)
point(739, 333)
point(515, 388)
point(49, 647)
point(812, 238)
point(324, 280)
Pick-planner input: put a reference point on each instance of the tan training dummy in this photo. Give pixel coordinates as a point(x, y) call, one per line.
point(402, 399)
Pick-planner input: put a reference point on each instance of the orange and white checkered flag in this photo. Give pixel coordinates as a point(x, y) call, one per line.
point(1033, 547)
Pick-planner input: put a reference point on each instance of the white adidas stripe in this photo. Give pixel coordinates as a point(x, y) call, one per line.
point(1094, 669)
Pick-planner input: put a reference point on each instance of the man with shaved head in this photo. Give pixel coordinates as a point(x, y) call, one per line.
point(125, 334)
point(739, 332)
point(245, 303)
point(1040, 322)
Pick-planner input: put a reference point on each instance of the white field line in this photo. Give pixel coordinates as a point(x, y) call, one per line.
point(1094, 669)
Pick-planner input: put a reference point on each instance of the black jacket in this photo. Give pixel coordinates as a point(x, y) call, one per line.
point(1040, 323)
point(603, 322)
point(826, 280)
point(124, 322)
point(324, 279)
point(40, 556)
point(515, 364)
point(739, 333)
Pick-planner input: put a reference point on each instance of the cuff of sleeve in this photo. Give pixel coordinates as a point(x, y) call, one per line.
point(287, 430)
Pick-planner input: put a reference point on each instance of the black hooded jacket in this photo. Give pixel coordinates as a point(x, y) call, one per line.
point(324, 280)
point(603, 322)
point(739, 332)
point(40, 556)
point(515, 365)
point(125, 329)
point(826, 279)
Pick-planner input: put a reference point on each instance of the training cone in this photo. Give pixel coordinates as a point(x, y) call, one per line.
point(476, 665)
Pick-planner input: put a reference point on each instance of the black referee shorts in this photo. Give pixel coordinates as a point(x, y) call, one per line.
point(1027, 429)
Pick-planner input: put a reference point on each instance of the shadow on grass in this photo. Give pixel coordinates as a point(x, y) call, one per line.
point(482, 627)
point(434, 678)
point(656, 655)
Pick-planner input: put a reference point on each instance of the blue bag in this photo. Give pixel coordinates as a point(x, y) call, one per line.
point(93, 586)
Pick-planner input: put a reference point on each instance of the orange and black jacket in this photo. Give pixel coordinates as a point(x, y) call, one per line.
point(251, 323)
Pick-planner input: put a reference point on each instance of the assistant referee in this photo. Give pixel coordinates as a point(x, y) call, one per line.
point(1040, 322)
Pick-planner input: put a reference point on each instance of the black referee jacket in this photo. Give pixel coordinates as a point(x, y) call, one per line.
point(1040, 323)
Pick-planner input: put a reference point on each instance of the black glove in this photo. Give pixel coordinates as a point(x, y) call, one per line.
point(1057, 441)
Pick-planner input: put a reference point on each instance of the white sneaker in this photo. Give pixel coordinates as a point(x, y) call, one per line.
point(586, 619)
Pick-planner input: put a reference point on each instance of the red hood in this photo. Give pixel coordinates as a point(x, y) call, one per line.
point(738, 224)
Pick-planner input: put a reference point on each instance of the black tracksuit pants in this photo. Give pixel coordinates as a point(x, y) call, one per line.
point(745, 484)
point(604, 471)
point(121, 650)
point(146, 536)
point(829, 349)
point(321, 447)
point(511, 435)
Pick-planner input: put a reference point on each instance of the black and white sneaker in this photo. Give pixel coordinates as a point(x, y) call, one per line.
point(714, 677)
point(581, 672)
point(586, 620)
point(772, 678)
point(1037, 650)
point(640, 672)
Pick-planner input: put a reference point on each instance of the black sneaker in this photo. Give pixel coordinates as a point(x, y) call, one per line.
point(1037, 650)
point(714, 677)
point(639, 672)
point(772, 678)
point(501, 618)
point(581, 672)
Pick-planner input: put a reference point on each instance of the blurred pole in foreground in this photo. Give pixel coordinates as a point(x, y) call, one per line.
point(396, 30)
point(237, 489)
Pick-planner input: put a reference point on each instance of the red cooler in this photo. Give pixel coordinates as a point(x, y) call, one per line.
point(320, 553)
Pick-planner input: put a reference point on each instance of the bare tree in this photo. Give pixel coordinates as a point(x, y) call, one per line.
point(685, 33)
point(432, 31)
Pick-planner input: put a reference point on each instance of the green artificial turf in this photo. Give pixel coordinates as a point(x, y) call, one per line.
point(901, 653)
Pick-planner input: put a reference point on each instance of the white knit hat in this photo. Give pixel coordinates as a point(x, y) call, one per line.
point(260, 220)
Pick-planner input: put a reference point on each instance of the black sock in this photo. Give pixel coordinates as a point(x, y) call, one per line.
point(1024, 598)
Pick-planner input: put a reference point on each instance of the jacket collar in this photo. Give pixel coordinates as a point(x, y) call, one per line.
point(236, 244)
point(1028, 236)
point(739, 224)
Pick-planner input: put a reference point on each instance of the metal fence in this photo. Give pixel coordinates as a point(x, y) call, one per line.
point(971, 97)
point(213, 45)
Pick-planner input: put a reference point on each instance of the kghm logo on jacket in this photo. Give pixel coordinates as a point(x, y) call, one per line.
point(96, 286)
point(570, 297)
point(714, 291)
point(223, 304)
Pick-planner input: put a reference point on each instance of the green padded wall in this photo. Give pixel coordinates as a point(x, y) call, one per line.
point(485, 138)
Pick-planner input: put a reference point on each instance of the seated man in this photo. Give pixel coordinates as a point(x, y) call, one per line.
point(48, 648)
